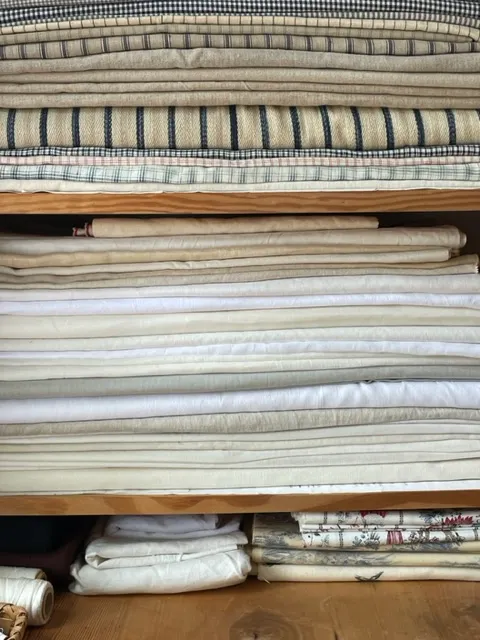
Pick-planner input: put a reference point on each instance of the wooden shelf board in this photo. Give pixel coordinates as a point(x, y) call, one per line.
point(218, 203)
point(278, 611)
point(108, 504)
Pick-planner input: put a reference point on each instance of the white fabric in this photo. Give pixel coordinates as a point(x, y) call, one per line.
point(458, 349)
point(210, 572)
point(114, 553)
point(171, 526)
point(433, 333)
point(460, 394)
point(188, 305)
point(312, 573)
point(287, 286)
point(447, 236)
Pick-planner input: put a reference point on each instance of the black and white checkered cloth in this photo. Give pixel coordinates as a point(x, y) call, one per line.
point(459, 11)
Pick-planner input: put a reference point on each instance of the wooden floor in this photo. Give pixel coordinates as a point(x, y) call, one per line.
point(281, 611)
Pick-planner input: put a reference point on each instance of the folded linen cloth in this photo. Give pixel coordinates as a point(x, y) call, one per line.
point(356, 558)
point(105, 553)
point(280, 530)
point(126, 325)
point(459, 394)
point(137, 227)
point(238, 127)
point(210, 572)
point(445, 236)
point(264, 422)
point(321, 285)
point(436, 519)
point(153, 39)
point(433, 28)
point(219, 382)
point(301, 573)
point(144, 306)
point(172, 526)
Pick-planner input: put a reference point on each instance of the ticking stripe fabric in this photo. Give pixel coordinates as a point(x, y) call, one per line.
point(236, 128)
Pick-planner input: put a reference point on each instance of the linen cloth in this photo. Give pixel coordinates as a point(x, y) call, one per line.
point(375, 395)
point(443, 518)
point(209, 572)
point(167, 527)
point(300, 573)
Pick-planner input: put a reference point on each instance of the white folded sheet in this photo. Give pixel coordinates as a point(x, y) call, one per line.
point(114, 553)
point(298, 286)
point(460, 394)
point(210, 572)
point(171, 526)
point(142, 306)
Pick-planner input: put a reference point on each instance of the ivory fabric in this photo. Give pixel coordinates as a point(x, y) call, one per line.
point(431, 394)
point(300, 573)
point(112, 326)
point(104, 553)
point(178, 527)
point(392, 518)
point(214, 571)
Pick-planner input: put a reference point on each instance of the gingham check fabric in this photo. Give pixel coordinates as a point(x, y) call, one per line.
point(458, 9)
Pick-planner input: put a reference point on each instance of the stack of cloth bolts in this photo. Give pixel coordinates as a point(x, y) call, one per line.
point(249, 95)
point(367, 546)
point(237, 353)
point(162, 554)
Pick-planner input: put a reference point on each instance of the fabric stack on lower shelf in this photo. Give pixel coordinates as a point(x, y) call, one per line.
point(162, 554)
point(242, 96)
point(238, 353)
point(367, 546)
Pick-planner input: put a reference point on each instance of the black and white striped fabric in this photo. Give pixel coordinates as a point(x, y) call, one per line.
point(459, 11)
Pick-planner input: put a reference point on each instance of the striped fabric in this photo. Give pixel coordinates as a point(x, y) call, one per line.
point(148, 42)
point(461, 11)
point(238, 128)
point(192, 175)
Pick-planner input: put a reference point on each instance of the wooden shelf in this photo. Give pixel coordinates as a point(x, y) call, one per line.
point(218, 203)
point(109, 504)
point(280, 611)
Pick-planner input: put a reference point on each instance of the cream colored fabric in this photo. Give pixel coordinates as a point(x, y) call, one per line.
point(111, 326)
point(446, 236)
point(437, 28)
point(377, 573)
point(137, 227)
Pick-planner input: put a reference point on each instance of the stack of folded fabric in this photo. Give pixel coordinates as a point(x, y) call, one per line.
point(214, 354)
point(367, 546)
point(246, 95)
point(162, 554)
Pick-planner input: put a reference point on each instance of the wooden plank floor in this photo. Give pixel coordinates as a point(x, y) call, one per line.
point(281, 611)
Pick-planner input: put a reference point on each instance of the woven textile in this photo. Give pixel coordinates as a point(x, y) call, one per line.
point(238, 128)
point(460, 11)
point(224, 175)
point(147, 41)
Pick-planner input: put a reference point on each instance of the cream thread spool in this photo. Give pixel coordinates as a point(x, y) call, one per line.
point(22, 572)
point(36, 596)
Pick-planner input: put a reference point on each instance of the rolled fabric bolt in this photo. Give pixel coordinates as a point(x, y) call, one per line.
point(22, 572)
point(35, 596)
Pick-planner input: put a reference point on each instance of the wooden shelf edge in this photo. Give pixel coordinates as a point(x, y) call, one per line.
point(420, 200)
point(109, 504)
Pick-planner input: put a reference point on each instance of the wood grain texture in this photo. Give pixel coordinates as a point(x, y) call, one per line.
point(105, 504)
point(218, 203)
point(280, 611)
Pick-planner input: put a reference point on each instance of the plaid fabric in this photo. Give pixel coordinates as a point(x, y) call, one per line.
point(456, 10)
point(238, 127)
point(362, 46)
point(251, 175)
point(463, 150)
